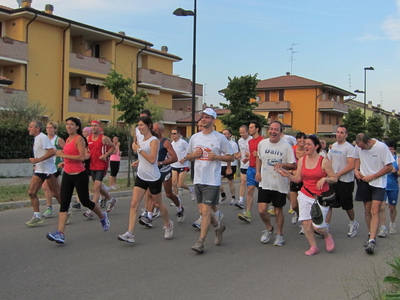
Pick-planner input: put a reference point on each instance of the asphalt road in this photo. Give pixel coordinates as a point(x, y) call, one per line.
point(94, 265)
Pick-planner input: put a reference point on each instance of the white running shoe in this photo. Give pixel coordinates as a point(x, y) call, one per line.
point(169, 230)
point(266, 236)
point(392, 228)
point(353, 229)
point(295, 218)
point(382, 231)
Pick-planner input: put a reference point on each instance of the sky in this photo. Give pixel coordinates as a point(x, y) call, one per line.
point(332, 41)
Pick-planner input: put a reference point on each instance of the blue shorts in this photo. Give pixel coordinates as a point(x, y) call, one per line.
point(392, 196)
point(251, 177)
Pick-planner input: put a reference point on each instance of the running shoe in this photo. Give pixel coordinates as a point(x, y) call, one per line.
point(103, 202)
point(127, 237)
point(105, 222)
point(291, 211)
point(69, 215)
point(113, 187)
point(172, 204)
point(56, 236)
point(233, 201)
point(221, 200)
point(218, 234)
point(271, 211)
point(301, 230)
point(144, 213)
point(266, 236)
point(169, 230)
point(76, 205)
point(145, 221)
point(192, 194)
point(279, 241)
point(156, 212)
point(219, 216)
point(370, 247)
point(48, 213)
point(382, 231)
point(353, 229)
point(180, 215)
point(312, 251)
point(239, 204)
point(199, 246)
point(89, 214)
point(197, 224)
point(111, 204)
point(245, 216)
point(295, 218)
point(392, 228)
point(34, 221)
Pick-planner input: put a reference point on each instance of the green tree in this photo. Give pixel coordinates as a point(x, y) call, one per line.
point(238, 94)
point(375, 127)
point(394, 130)
point(354, 121)
point(157, 112)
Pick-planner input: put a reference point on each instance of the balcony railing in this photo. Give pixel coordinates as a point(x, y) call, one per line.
point(332, 106)
point(89, 106)
point(13, 49)
point(90, 64)
point(8, 94)
point(327, 128)
point(274, 106)
point(159, 80)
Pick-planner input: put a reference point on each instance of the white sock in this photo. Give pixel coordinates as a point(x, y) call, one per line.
point(241, 199)
point(37, 215)
point(352, 222)
point(150, 215)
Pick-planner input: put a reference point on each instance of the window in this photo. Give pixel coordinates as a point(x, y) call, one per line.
point(281, 95)
point(323, 119)
point(267, 95)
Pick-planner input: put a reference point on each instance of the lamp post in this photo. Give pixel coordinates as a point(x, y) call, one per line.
point(365, 90)
point(180, 12)
point(362, 92)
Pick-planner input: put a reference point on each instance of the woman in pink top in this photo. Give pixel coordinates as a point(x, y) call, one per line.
point(74, 177)
point(115, 160)
point(315, 172)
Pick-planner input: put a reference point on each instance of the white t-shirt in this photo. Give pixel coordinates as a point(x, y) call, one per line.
point(147, 171)
point(373, 160)
point(41, 144)
point(180, 147)
point(139, 136)
point(235, 149)
point(289, 139)
point(271, 154)
point(244, 147)
point(208, 172)
point(339, 154)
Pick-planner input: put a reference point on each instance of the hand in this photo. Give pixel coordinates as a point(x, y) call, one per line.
point(358, 175)
point(61, 165)
point(368, 178)
point(278, 166)
point(245, 160)
point(258, 177)
point(135, 164)
point(255, 153)
point(321, 183)
point(212, 156)
point(103, 157)
point(33, 160)
point(135, 146)
point(59, 153)
point(197, 153)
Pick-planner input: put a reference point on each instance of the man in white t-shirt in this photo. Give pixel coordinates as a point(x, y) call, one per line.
point(342, 156)
point(207, 149)
point(228, 169)
point(243, 156)
point(43, 151)
point(373, 161)
point(273, 154)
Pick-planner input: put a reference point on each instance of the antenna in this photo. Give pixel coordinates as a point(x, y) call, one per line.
point(19, 3)
point(381, 99)
point(349, 82)
point(291, 56)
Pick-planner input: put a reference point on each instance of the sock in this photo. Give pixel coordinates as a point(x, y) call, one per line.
point(37, 215)
point(150, 215)
point(241, 199)
point(248, 213)
point(352, 222)
point(371, 241)
point(223, 195)
point(392, 224)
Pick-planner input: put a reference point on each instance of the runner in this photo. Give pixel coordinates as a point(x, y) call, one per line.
point(244, 162)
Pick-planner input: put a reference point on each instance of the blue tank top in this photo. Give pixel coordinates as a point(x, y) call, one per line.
point(392, 184)
point(162, 151)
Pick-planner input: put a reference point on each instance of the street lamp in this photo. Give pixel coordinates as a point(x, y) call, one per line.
point(362, 92)
point(365, 89)
point(180, 12)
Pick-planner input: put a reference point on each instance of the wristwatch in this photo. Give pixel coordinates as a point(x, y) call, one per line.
point(185, 158)
point(138, 150)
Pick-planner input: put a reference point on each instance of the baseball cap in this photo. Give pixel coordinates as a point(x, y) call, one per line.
point(210, 112)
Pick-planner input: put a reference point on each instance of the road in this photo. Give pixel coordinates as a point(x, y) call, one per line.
point(94, 265)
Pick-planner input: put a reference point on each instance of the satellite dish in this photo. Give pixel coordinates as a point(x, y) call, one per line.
point(19, 3)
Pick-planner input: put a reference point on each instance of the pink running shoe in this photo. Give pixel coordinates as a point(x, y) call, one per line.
point(313, 250)
point(330, 244)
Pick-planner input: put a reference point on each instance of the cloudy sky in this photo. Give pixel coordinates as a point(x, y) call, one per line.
point(334, 40)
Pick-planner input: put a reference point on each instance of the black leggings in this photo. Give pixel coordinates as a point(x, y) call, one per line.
point(114, 166)
point(81, 183)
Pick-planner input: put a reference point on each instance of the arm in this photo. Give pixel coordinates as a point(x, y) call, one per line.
point(152, 156)
point(385, 170)
point(61, 143)
point(296, 177)
point(331, 176)
point(357, 172)
point(111, 148)
point(80, 145)
point(172, 154)
point(350, 166)
point(49, 153)
point(258, 169)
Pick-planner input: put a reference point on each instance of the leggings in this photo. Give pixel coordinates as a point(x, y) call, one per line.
point(114, 166)
point(81, 183)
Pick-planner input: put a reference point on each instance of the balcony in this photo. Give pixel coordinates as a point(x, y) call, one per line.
point(12, 51)
point(273, 106)
point(8, 94)
point(89, 106)
point(327, 129)
point(178, 86)
point(332, 106)
point(89, 64)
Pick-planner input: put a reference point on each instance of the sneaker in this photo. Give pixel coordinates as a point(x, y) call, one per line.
point(111, 204)
point(105, 222)
point(127, 237)
point(219, 216)
point(239, 204)
point(172, 204)
point(353, 229)
point(295, 218)
point(329, 243)
point(301, 230)
point(103, 202)
point(76, 205)
point(392, 228)
point(271, 211)
point(145, 221)
point(156, 212)
point(279, 241)
point(192, 194)
point(312, 251)
point(221, 200)
point(370, 247)
point(382, 232)
point(144, 213)
point(245, 217)
point(113, 187)
point(34, 221)
point(56, 236)
point(169, 230)
point(197, 223)
point(180, 215)
point(69, 215)
point(48, 213)
point(233, 201)
point(89, 214)
point(218, 234)
point(291, 211)
point(199, 246)
point(266, 236)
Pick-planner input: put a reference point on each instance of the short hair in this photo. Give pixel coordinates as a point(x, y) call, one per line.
point(315, 141)
point(256, 124)
point(160, 125)
point(146, 111)
point(300, 135)
point(391, 143)
point(245, 127)
point(38, 124)
point(362, 137)
point(227, 129)
point(54, 124)
point(177, 130)
point(277, 122)
point(344, 126)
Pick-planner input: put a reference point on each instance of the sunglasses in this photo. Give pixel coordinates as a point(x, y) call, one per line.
point(173, 133)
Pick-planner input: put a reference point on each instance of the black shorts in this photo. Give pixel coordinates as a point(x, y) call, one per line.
point(165, 176)
point(243, 171)
point(267, 196)
point(344, 195)
point(43, 176)
point(114, 168)
point(153, 186)
point(366, 192)
point(180, 170)
point(97, 175)
point(295, 187)
point(228, 176)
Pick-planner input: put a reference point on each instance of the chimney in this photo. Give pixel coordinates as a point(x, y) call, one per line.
point(49, 9)
point(393, 112)
point(287, 73)
point(379, 106)
point(26, 3)
point(121, 32)
point(164, 49)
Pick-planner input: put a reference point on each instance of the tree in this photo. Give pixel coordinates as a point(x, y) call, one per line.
point(375, 127)
point(394, 130)
point(238, 93)
point(156, 111)
point(354, 121)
